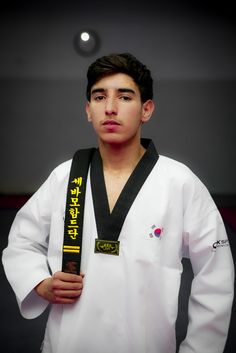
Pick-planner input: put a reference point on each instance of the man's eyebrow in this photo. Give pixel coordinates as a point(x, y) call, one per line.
point(122, 90)
point(95, 90)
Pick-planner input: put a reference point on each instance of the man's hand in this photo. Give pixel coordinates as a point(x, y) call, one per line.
point(61, 288)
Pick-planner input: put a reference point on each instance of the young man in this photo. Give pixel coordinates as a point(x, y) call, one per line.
point(147, 211)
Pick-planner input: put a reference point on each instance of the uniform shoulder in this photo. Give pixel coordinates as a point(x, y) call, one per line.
point(175, 167)
point(178, 173)
point(61, 172)
point(180, 177)
point(63, 167)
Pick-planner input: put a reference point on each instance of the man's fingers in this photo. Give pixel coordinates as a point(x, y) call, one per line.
point(62, 285)
point(68, 277)
point(66, 287)
point(61, 288)
point(67, 293)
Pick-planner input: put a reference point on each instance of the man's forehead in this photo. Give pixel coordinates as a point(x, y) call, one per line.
point(119, 90)
point(117, 81)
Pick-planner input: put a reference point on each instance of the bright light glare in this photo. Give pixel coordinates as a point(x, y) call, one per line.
point(84, 36)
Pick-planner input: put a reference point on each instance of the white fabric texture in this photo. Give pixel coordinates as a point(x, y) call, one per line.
point(129, 302)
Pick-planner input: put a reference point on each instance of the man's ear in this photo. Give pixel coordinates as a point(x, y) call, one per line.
point(148, 108)
point(87, 109)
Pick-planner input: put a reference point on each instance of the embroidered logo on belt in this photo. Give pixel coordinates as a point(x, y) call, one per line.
point(109, 247)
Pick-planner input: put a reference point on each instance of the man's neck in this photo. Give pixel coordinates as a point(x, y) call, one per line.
point(121, 157)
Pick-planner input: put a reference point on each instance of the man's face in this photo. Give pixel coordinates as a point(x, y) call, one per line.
point(116, 110)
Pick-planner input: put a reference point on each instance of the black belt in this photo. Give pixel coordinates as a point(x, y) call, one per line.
point(73, 229)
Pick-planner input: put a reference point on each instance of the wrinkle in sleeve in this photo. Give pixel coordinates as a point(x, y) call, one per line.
point(212, 287)
point(25, 258)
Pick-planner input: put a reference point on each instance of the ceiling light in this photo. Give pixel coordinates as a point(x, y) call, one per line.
point(86, 42)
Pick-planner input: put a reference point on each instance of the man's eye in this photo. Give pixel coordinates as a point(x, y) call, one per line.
point(125, 98)
point(99, 98)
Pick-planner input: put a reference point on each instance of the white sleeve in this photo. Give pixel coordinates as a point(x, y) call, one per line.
point(211, 297)
point(25, 258)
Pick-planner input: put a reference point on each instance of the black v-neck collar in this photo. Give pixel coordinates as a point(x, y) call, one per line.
point(109, 224)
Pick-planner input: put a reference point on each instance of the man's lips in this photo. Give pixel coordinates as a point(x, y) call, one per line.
point(110, 122)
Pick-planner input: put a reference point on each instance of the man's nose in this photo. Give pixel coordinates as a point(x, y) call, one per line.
point(111, 107)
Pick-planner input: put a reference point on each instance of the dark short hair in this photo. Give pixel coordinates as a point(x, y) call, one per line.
point(121, 63)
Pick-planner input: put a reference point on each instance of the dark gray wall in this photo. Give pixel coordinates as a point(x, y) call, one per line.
point(192, 55)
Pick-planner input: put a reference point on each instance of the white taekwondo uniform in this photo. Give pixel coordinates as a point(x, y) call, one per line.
point(129, 302)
